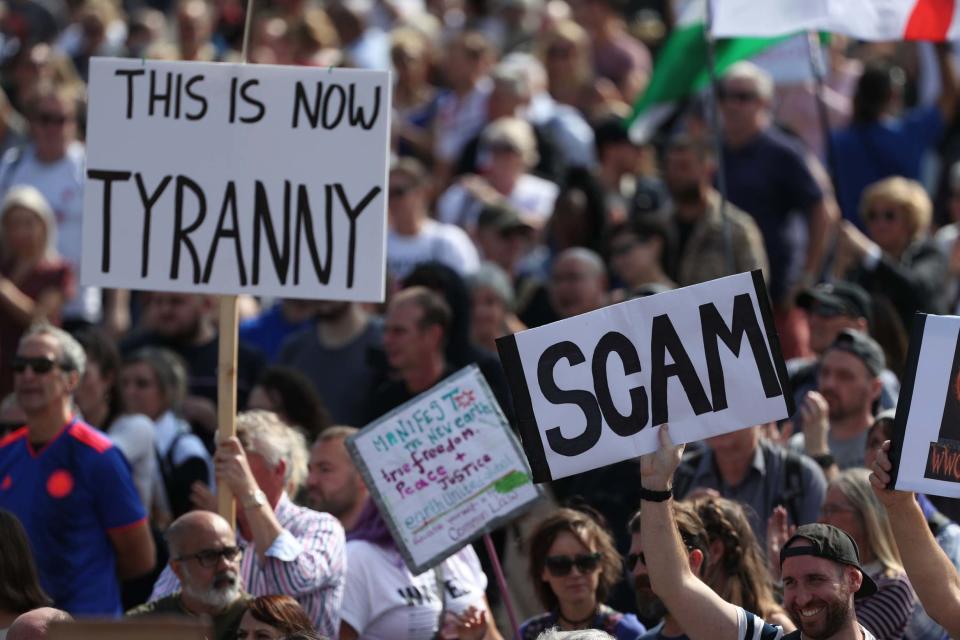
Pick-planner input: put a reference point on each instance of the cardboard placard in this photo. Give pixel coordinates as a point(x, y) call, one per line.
point(592, 390)
point(228, 178)
point(443, 469)
point(925, 449)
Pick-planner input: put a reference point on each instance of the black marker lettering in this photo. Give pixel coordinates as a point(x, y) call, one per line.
point(148, 201)
point(663, 340)
point(583, 399)
point(622, 425)
point(352, 213)
point(130, 73)
point(181, 234)
point(108, 177)
point(229, 204)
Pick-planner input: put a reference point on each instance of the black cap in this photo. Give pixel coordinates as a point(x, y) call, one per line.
point(844, 298)
point(503, 217)
point(863, 346)
point(830, 543)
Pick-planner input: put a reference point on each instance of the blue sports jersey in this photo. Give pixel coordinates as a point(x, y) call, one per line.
point(69, 495)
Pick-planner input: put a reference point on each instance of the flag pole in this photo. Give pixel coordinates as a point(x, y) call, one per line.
point(713, 118)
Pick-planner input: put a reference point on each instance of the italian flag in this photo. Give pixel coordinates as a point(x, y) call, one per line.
point(681, 68)
point(881, 20)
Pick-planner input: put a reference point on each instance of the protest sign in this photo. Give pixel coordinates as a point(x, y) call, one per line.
point(228, 178)
point(925, 448)
point(444, 468)
point(590, 390)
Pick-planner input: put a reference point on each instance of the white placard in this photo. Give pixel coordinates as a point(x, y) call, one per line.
point(925, 448)
point(592, 390)
point(444, 468)
point(229, 178)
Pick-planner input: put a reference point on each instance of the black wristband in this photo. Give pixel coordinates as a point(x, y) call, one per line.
point(824, 460)
point(655, 496)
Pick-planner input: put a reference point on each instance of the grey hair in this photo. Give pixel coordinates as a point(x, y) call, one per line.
point(512, 77)
point(580, 634)
point(531, 66)
point(494, 278)
point(591, 258)
point(263, 432)
point(72, 355)
point(746, 70)
point(29, 198)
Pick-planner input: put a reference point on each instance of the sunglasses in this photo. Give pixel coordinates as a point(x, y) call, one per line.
point(887, 215)
point(57, 119)
point(739, 96)
point(39, 366)
point(209, 558)
point(561, 566)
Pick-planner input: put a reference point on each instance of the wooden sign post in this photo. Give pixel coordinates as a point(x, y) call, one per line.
point(227, 393)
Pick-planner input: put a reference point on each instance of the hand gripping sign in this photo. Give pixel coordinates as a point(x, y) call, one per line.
point(444, 468)
point(591, 390)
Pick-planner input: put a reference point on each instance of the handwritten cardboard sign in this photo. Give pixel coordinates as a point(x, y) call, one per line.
point(228, 178)
point(592, 390)
point(925, 448)
point(444, 468)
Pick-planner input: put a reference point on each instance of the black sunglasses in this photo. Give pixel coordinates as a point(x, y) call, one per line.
point(561, 566)
point(209, 558)
point(39, 365)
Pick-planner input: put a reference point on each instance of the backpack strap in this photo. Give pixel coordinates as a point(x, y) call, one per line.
point(792, 491)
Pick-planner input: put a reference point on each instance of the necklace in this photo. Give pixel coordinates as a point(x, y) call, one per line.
point(577, 623)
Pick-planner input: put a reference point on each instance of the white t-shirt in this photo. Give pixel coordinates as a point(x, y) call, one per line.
point(382, 600)
point(533, 197)
point(133, 434)
point(444, 243)
point(61, 183)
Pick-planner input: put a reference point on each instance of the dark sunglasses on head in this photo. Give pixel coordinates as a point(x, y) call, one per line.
point(39, 366)
point(561, 566)
point(887, 215)
point(209, 558)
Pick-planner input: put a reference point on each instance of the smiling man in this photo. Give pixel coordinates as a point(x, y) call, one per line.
point(205, 557)
point(820, 566)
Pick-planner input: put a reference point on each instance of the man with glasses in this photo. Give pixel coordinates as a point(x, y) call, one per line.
point(651, 608)
point(770, 177)
point(69, 485)
point(205, 558)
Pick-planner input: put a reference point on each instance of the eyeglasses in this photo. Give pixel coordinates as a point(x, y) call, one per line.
point(887, 215)
point(39, 366)
point(739, 96)
point(46, 118)
point(561, 566)
point(209, 558)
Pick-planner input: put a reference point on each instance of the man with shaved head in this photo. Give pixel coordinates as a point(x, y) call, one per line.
point(34, 624)
point(205, 557)
point(578, 282)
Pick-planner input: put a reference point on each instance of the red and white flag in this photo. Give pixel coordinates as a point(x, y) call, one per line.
point(882, 20)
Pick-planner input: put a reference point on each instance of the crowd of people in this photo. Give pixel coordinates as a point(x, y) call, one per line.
point(516, 197)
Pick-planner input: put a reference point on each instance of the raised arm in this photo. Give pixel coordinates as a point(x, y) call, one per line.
point(948, 82)
point(931, 572)
point(705, 615)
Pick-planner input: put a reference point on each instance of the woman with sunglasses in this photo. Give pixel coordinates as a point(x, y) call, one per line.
point(35, 281)
point(573, 567)
point(896, 259)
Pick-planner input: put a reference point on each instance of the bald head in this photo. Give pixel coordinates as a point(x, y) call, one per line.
point(33, 625)
point(193, 526)
point(578, 282)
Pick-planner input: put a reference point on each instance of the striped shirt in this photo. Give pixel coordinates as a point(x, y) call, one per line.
point(307, 561)
point(887, 612)
point(752, 627)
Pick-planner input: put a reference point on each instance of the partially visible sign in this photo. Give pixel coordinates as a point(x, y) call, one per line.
point(444, 468)
point(591, 390)
point(925, 449)
point(229, 179)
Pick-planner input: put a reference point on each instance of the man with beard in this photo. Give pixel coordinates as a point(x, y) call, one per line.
point(698, 226)
point(333, 484)
point(342, 340)
point(849, 382)
point(819, 564)
point(205, 558)
point(650, 608)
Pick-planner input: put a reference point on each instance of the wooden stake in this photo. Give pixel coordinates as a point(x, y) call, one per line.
point(227, 393)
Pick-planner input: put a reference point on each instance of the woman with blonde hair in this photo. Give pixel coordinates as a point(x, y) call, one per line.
point(736, 567)
point(896, 258)
point(564, 50)
point(34, 281)
point(852, 506)
point(573, 567)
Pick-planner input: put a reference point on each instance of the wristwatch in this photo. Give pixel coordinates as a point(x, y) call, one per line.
point(254, 499)
point(825, 460)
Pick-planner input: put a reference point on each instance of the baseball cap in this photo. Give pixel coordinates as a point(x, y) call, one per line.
point(830, 543)
point(863, 346)
point(503, 217)
point(841, 297)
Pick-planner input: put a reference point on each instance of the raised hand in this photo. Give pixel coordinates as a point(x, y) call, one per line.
point(656, 469)
point(880, 479)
